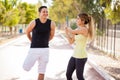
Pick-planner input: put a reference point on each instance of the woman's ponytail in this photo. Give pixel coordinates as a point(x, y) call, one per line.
point(90, 28)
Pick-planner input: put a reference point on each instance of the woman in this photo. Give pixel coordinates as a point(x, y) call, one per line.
point(80, 36)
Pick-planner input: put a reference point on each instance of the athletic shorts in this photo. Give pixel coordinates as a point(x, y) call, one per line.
point(37, 54)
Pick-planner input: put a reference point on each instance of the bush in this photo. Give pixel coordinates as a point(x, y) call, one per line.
point(73, 25)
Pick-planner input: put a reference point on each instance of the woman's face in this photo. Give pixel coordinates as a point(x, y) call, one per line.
point(44, 13)
point(79, 21)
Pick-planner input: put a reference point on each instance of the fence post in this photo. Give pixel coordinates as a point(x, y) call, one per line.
point(114, 39)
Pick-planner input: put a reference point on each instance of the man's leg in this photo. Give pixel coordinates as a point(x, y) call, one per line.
point(30, 60)
point(41, 77)
point(41, 69)
point(42, 63)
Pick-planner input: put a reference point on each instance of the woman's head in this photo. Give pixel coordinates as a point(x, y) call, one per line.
point(85, 19)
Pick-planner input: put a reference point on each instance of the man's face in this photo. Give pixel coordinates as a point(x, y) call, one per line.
point(44, 13)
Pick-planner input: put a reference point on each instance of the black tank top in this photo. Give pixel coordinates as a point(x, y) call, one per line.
point(41, 34)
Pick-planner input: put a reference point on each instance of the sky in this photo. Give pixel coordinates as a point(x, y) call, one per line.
point(35, 1)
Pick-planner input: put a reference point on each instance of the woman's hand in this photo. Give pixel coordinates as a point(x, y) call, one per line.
point(66, 30)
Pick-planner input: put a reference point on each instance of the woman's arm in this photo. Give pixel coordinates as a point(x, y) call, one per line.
point(78, 31)
point(83, 31)
point(69, 36)
point(71, 40)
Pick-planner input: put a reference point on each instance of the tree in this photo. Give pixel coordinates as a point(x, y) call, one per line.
point(11, 18)
point(22, 12)
point(2, 11)
point(30, 13)
point(10, 15)
point(62, 8)
point(113, 13)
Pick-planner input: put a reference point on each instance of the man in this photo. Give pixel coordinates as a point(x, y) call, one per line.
point(43, 30)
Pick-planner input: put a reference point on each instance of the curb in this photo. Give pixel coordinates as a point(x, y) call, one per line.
point(95, 66)
point(10, 42)
point(102, 72)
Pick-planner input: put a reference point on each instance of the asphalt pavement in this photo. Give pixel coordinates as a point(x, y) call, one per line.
point(12, 55)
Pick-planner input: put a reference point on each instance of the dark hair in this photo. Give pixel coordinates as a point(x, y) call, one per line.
point(84, 17)
point(40, 8)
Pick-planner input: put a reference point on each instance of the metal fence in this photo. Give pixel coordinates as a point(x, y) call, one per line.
point(108, 38)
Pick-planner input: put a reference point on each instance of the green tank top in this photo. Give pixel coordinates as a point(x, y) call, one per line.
point(80, 46)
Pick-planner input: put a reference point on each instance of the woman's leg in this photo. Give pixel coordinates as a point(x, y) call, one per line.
point(80, 64)
point(70, 68)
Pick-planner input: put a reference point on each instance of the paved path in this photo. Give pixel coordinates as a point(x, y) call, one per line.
point(13, 54)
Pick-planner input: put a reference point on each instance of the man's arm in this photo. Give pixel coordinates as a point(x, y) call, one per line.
point(52, 32)
point(29, 29)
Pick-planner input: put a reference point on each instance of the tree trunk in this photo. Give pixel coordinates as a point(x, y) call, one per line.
point(10, 30)
point(15, 30)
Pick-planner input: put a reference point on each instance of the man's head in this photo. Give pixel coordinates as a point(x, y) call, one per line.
point(43, 12)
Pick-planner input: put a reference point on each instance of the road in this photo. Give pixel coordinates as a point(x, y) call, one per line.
point(13, 54)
